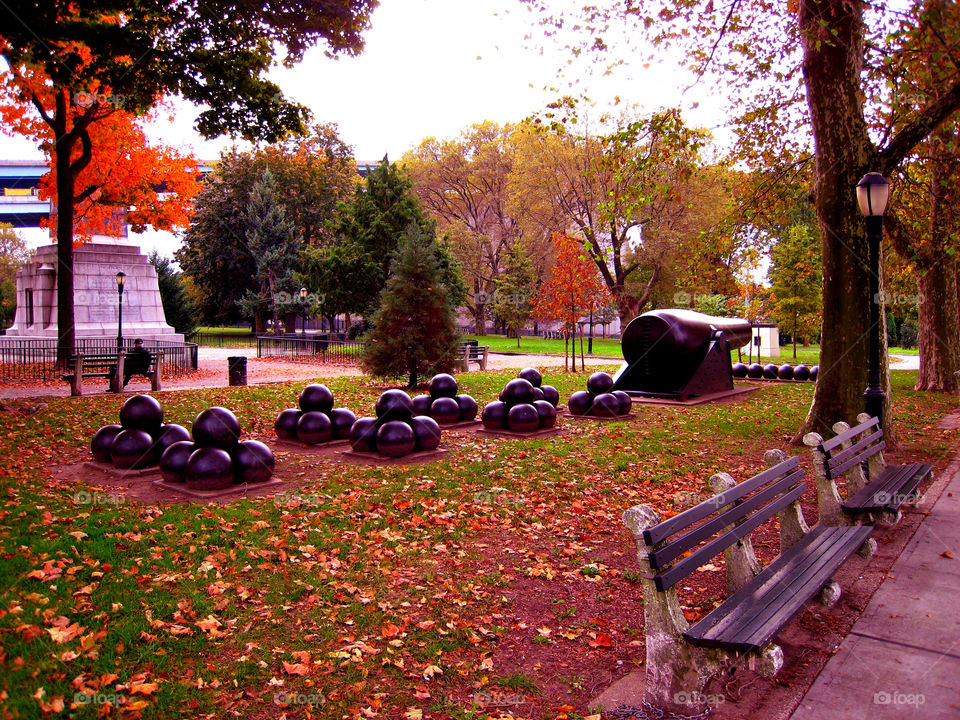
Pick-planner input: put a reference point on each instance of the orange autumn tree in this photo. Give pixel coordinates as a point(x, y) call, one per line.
point(573, 290)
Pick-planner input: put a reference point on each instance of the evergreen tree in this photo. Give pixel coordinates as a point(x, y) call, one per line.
point(795, 277)
point(515, 290)
point(275, 246)
point(415, 330)
point(178, 308)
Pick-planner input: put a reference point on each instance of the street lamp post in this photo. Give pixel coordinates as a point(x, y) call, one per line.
point(303, 312)
point(873, 191)
point(590, 341)
point(121, 279)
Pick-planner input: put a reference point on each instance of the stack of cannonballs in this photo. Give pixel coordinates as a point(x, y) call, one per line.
point(140, 438)
point(317, 421)
point(443, 403)
point(216, 458)
point(394, 432)
point(526, 405)
point(600, 399)
point(770, 371)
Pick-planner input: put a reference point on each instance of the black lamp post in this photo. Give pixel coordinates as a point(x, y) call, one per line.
point(590, 341)
point(303, 312)
point(121, 279)
point(873, 191)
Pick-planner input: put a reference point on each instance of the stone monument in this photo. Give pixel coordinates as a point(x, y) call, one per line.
point(95, 268)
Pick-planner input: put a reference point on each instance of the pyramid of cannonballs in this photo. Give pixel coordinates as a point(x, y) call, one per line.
point(212, 458)
point(394, 432)
point(317, 420)
point(525, 405)
point(600, 399)
point(442, 402)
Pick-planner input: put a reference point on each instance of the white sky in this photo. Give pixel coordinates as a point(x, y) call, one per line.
point(431, 68)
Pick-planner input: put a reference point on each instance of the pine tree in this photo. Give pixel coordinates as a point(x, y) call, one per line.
point(178, 308)
point(414, 332)
point(795, 277)
point(275, 246)
point(515, 290)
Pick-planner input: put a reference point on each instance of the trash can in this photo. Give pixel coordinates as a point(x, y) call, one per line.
point(237, 370)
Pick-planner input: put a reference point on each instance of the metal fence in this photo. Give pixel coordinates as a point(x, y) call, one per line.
point(36, 358)
point(330, 349)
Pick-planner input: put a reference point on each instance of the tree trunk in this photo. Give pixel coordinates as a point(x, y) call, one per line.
point(66, 332)
point(832, 35)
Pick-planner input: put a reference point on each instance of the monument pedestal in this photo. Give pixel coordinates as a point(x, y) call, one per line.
point(95, 267)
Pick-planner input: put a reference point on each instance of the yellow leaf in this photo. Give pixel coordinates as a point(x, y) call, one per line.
point(430, 670)
point(413, 713)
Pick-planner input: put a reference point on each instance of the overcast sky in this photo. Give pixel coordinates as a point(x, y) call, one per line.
point(431, 68)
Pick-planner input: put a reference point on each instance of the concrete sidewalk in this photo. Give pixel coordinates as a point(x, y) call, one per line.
point(902, 658)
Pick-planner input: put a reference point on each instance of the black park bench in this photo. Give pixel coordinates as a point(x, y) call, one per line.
point(681, 658)
point(473, 354)
point(875, 490)
point(110, 365)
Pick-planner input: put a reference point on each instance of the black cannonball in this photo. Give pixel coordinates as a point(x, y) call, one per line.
point(173, 462)
point(755, 371)
point(531, 375)
point(168, 435)
point(494, 416)
point(342, 420)
point(216, 427)
point(468, 407)
point(518, 392)
point(786, 372)
point(739, 370)
point(523, 418)
point(550, 394)
point(770, 371)
point(537, 394)
point(209, 468)
point(426, 432)
point(363, 435)
point(580, 402)
point(132, 449)
point(102, 440)
point(445, 410)
point(599, 383)
point(421, 405)
point(546, 412)
point(626, 402)
point(286, 423)
point(606, 405)
point(253, 462)
point(141, 412)
point(394, 405)
point(314, 427)
point(443, 385)
point(814, 372)
point(801, 372)
point(503, 394)
point(395, 439)
point(316, 398)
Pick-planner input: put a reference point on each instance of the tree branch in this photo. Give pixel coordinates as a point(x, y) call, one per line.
point(908, 138)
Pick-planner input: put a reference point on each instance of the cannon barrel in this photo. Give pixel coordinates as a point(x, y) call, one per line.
point(665, 348)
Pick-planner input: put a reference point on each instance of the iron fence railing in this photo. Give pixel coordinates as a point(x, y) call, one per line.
point(36, 358)
point(329, 348)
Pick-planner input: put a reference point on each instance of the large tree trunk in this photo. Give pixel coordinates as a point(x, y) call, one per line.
point(832, 32)
point(66, 334)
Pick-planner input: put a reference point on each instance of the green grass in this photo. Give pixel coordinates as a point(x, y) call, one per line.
point(226, 330)
point(390, 578)
point(606, 347)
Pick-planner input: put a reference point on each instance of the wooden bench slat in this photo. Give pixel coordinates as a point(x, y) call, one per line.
point(669, 578)
point(677, 547)
point(840, 462)
point(751, 617)
point(847, 435)
point(894, 487)
point(657, 534)
point(839, 470)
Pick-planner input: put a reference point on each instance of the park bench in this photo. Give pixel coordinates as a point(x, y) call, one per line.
point(681, 658)
point(473, 354)
point(109, 365)
point(875, 491)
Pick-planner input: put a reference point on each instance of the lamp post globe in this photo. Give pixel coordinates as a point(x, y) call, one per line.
point(873, 192)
